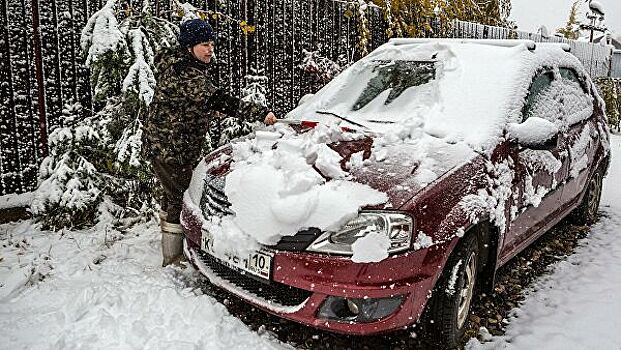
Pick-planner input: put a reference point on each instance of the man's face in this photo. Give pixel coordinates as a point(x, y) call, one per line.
point(203, 51)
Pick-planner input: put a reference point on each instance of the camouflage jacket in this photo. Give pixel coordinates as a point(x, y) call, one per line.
point(177, 125)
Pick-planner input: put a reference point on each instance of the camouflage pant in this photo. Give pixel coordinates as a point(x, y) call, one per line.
point(174, 179)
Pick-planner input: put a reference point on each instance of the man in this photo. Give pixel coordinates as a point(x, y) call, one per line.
point(177, 124)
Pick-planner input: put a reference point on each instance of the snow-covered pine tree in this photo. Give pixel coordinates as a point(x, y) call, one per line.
point(256, 88)
point(120, 42)
point(320, 68)
point(571, 30)
point(253, 93)
point(71, 187)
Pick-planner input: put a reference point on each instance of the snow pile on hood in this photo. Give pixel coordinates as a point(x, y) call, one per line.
point(275, 191)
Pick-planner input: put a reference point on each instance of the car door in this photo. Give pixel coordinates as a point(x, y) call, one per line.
point(538, 173)
point(582, 135)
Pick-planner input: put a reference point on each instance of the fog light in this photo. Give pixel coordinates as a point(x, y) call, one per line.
point(359, 310)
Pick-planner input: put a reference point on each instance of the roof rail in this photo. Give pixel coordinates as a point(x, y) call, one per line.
point(493, 42)
point(564, 46)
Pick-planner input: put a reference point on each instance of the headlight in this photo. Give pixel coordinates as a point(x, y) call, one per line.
point(398, 227)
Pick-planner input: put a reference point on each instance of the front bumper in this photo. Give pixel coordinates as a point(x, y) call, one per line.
point(301, 282)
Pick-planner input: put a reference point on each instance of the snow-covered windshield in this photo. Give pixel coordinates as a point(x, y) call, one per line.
point(377, 92)
point(392, 77)
point(453, 91)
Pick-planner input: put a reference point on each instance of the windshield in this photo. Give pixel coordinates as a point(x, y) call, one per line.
point(395, 77)
point(454, 91)
point(379, 91)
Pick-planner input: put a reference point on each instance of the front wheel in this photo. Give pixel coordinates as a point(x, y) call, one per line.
point(586, 212)
point(447, 313)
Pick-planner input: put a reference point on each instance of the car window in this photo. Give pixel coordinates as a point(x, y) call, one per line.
point(538, 86)
point(561, 99)
point(570, 74)
point(396, 76)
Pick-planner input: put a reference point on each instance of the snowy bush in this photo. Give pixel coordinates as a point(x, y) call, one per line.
point(610, 89)
point(70, 187)
point(255, 90)
point(95, 168)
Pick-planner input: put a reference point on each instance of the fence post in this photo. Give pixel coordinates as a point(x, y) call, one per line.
point(36, 44)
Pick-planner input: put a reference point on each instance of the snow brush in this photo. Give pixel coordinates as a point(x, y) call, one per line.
point(307, 124)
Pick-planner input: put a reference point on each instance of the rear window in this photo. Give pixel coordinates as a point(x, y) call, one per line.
point(397, 76)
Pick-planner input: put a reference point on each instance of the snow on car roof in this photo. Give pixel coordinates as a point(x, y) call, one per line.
point(476, 91)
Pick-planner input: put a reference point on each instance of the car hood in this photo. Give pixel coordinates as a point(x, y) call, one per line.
point(401, 170)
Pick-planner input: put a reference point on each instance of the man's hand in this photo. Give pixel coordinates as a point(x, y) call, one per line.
point(270, 119)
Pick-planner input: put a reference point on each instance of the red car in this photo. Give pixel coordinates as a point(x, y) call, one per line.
point(479, 146)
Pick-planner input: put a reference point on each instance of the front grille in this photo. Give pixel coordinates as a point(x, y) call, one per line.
point(298, 242)
point(214, 201)
point(269, 290)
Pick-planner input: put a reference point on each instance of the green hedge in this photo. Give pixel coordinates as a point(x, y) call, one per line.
point(610, 89)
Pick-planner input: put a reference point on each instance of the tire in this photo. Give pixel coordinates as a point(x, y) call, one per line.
point(586, 212)
point(446, 317)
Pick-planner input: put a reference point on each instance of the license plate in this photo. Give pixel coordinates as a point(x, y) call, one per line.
point(257, 263)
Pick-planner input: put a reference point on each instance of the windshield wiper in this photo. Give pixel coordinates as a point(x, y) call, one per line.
point(341, 118)
point(380, 121)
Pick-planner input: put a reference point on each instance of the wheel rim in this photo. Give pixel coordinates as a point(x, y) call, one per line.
point(595, 192)
point(467, 291)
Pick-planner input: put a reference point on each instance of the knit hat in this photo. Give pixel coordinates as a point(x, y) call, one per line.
point(195, 31)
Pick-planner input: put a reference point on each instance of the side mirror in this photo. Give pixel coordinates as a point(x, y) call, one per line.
point(535, 133)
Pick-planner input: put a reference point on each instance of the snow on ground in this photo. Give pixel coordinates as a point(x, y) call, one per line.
point(16, 200)
point(100, 289)
point(577, 306)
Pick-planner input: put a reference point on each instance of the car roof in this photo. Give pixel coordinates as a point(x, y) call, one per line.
point(530, 44)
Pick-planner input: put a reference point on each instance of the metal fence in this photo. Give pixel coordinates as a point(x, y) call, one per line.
point(616, 64)
point(597, 59)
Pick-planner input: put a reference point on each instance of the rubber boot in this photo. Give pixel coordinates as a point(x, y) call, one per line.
point(172, 243)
